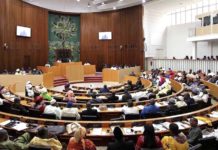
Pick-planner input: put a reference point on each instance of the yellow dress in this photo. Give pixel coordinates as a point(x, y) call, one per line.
point(169, 143)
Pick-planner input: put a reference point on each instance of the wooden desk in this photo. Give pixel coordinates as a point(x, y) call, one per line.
point(89, 69)
point(118, 75)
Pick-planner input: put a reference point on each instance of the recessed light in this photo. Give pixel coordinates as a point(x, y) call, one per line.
point(114, 8)
point(78, 0)
point(102, 3)
point(143, 1)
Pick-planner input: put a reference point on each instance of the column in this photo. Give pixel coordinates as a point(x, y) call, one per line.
point(194, 50)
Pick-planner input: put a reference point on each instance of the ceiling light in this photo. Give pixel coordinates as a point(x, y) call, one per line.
point(78, 0)
point(114, 8)
point(120, 0)
point(102, 3)
point(143, 1)
point(89, 4)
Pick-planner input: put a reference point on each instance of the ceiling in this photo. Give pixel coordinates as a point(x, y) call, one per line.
point(83, 6)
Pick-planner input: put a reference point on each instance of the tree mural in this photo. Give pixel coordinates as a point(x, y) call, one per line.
point(64, 33)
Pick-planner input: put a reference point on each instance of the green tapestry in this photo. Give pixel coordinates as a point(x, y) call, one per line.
point(64, 33)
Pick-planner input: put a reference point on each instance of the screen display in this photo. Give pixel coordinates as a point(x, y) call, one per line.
point(23, 31)
point(105, 35)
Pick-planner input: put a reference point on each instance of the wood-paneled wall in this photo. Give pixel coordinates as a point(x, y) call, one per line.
point(126, 46)
point(22, 52)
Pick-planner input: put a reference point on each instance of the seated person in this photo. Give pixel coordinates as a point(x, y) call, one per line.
point(177, 140)
point(89, 111)
point(45, 95)
point(126, 96)
point(171, 106)
point(67, 87)
point(195, 132)
point(91, 92)
point(148, 139)
point(69, 96)
point(47, 65)
point(150, 109)
point(39, 104)
point(18, 72)
point(21, 143)
point(129, 85)
point(138, 84)
point(78, 141)
point(189, 101)
point(196, 96)
point(53, 109)
point(205, 96)
point(95, 99)
point(132, 73)
point(29, 89)
point(120, 143)
point(130, 109)
point(69, 111)
point(43, 139)
point(180, 102)
point(104, 89)
point(17, 105)
point(113, 98)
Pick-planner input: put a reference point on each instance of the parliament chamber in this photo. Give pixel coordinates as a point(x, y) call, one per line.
point(102, 74)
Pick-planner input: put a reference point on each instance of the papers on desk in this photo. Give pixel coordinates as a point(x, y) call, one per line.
point(140, 107)
point(214, 114)
point(96, 131)
point(159, 127)
point(19, 126)
point(161, 104)
point(182, 125)
point(166, 125)
point(128, 131)
point(138, 129)
point(215, 134)
point(199, 122)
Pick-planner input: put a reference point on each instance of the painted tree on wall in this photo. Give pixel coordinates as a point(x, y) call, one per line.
point(64, 33)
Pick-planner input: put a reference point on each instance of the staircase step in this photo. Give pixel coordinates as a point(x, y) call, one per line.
point(59, 81)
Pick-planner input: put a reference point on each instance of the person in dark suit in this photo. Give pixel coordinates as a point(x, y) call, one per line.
point(112, 98)
point(95, 99)
point(138, 84)
point(120, 143)
point(126, 96)
point(89, 111)
point(104, 89)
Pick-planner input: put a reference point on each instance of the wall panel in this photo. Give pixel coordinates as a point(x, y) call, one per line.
point(23, 52)
point(126, 46)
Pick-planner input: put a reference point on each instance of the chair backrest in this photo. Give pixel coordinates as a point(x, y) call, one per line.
point(39, 147)
point(15, 111)
point(68, 118)
point(35, 113)
point(208, 143)
point(49, 116)
point(132, 116)
point(89, 117)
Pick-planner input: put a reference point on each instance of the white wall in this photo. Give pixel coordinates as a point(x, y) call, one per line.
point(154, 32)
point(176, 43)
point(169, 42)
